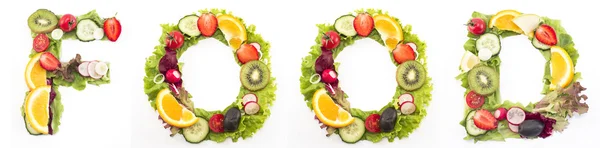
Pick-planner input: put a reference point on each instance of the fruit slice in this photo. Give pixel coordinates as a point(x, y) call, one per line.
point(470, 126)
point(515, 116)
point(561, 68)
point(233, 29)
point(42, 21)
point(527, 23)
point(172, 112)
point(363, 24)
point(328, 112)
point(483, 119)
point(353, 132)
point(41, 42)
point(255, 75)
point(36, 108)
point(372, 123)
point(216, 123)
point(474, 100)
point(546, 34)
point(483, 80)
point(35, 75)
point(403, 53)
point(389, 30)
point(469, 60)
point(207, 23)
point(503, 21)
point(410, 75)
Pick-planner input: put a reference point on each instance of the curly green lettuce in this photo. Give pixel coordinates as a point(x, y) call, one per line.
point(79, 82)
point(405, 124)
point(494, 101)
point(249, 124)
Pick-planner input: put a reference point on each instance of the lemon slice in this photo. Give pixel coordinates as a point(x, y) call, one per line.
point(233, 29)
point(527, 23)
point(328, 112)
point(469, 60)
point(561, 68)
point(389, 30)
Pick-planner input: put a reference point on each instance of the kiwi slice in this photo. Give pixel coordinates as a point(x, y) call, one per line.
point(42, 21)
point(483, 80)
point(255, 75)
point(410, 75)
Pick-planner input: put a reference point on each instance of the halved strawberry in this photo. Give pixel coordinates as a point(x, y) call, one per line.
point(485, 120)
point(247, 53)
point(546, 35)
point(207, 23)
point(403, 53)
point(363, 24)
point(49, 62)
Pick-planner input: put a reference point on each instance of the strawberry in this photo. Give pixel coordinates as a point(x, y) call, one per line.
point(546, 35)
point(363, 24)
point(112, 29)
point(49, 62)
point(403, 53)
point(485, 120)
point(247, 53)
point(207, 23)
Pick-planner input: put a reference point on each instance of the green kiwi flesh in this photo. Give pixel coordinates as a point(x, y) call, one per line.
point(483, 80)
point(410, 75)
point(255, 75)
point(42, 21)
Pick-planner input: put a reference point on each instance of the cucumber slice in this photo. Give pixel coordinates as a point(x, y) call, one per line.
point(197, 132)
point(470, 126)
point(353, 132)
point(345, 25)
point(85, 30)
point(539, 45)
point(488, 41)
point(29, 128)
point(189, 25)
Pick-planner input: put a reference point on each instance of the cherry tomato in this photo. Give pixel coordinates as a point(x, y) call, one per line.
point(372, 123)
point(174, 40)
point(41, 42)
point(67, 22)
point(330, 40)
point(476, 26)
point(475, 100)
point(216, 123)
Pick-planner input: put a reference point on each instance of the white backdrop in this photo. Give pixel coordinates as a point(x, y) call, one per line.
point(118, 115)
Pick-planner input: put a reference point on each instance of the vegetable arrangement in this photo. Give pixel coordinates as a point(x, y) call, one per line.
point(167, 94)
point(319, 80)
point(480, 77)
point(42, 108)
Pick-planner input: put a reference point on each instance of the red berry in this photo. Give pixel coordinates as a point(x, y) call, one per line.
point(173, 76)
point(485, 120)
point(216, 123)
point(207, 23)
point(546, 35)
point(247, 53)
point(403, 53)
point(112, 29)
point(372, 123)
point(329, 76)
point(363, 24)
point(49, 62)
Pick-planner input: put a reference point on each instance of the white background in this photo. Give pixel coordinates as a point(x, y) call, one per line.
point(118, 115)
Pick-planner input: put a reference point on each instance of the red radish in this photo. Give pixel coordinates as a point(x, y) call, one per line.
point(49, 62)
point(407, 108)
point(515, 115)
point(485, 120)
point(329, 76)
point(513, 128)
point(407, 97)
point(92, 70)
point(174, 89)
point(101, 68)
point(500, 114)
point(249, 97)
point(251, 108)
point(173, 76)
point(82, 69)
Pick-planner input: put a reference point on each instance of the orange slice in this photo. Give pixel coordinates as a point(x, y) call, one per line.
point(389, 30)
point(233, 29)
point(36, 108)
point(561, 68)
point(172, 112)
point(503, 20)
point(35, 75)
point(328, 112)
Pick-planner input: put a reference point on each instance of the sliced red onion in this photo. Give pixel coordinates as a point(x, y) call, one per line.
point(312, 79)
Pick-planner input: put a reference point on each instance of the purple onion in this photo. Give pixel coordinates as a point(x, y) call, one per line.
point(168, 61)
point(324, 61)
point(48, 81)
point(548, 123)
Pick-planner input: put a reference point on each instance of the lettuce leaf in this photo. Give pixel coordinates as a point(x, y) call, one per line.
point(405, 124)
point(494, 100)
point(249, 124)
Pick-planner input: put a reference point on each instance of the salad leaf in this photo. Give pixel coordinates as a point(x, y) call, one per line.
point(405, 124)
point(249, 124)
point(564, 102)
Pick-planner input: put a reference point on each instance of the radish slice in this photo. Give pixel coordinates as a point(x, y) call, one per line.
point(256, 45)
point(515, 116)
point(174, 89)
point(407, 108)
point(101, 68)
point(249, 97)
point(513, 128)
point(313, 80)
point(500, 114)
point(57, 34)
point(159, 78)
point(406, 98)
point(83, 69)
point(98, 34)
point(251, 108)
point(92, 70)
